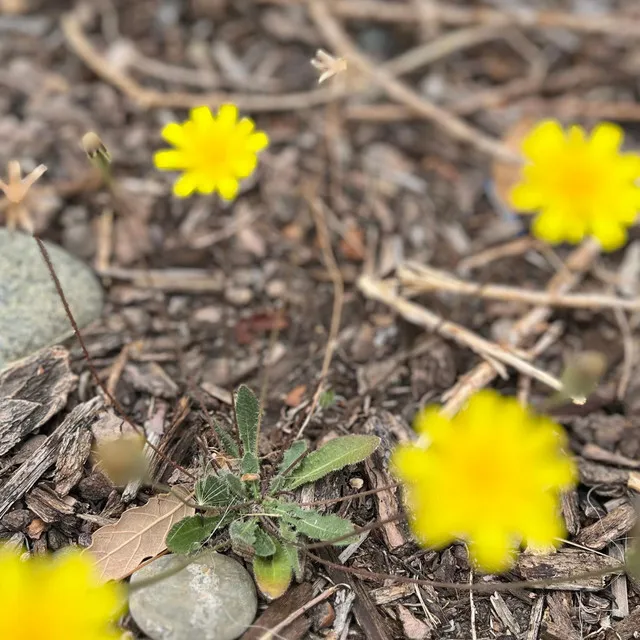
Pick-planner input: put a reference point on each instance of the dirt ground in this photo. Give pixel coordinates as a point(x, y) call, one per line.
point(202, 295)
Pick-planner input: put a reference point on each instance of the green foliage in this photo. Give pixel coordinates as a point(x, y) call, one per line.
point(311, 523)
point(261, 526)
point(273, 574)
point(333, 456)
point(190, 533)
point(248, 419)
point(327, 399)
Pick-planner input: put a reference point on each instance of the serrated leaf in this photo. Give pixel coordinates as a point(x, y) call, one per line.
point(264, 544)
point(291, 455)
point(248, 418)
point(244, 532)
point(236, 486)
point(139, 533)
point(273, 574)
point(212, 491)
point(334, 455)
point(191, 533)
point(293, 555)
point(250, 463)
point(226, 440)
point(313, 524)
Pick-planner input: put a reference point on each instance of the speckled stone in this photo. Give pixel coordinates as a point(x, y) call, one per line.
point(213, 598)
point(31, 313)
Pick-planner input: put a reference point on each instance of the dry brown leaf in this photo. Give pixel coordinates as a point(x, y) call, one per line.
point(294, 397)
point(507, 175)
point(140, 533)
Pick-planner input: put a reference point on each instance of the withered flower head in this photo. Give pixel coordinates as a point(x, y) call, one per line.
point(328, 65)
point(15, 190)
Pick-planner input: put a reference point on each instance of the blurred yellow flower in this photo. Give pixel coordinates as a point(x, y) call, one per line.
point(491, 475)
point(214, 152)
point(578, 185)
point(56, 598)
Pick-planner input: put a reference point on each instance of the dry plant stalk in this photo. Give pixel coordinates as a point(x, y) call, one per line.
point(384, 291)
point(423, 279)
point(578, 262)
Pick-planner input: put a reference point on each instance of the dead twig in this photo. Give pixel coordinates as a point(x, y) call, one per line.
point(384, 292)
point(579, 261)
point(423, 279)
point(338, 298)
point(454, 126)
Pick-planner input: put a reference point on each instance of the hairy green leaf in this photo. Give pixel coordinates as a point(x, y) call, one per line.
point(212, 491)
point(236, 486)
point(191, 533)
point(264, 545)
point(334, 455)
point(248, 418)
point(293, 555)
point(250, 463)
point(273, 574)
point(291, 455)
point(311, 523)
point(229, 445)
point(244, 531)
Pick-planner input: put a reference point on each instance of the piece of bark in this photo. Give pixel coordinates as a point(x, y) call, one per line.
point(566, 565)
point(280, 609)
point(413, 628)
point(30, 471)
point(605, 480)
point(31, 392)
point(535, 619)
point(385, 595)
point(48, 506)
point(619, 586)
point(626, 629)
point(615, 524)
point(74, 451)
point(594, 452)
point(371, 622)
point(504, 613)
point(571, 511)
point(559, 625)
point(377, 470)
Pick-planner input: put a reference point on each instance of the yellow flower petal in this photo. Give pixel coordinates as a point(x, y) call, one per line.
point(185, 185)
point(171, 160)
point(228, 188)
point(545, 139)
point(227, 115)
point(550, 226)
point(173, 133)
point(492, 549)
point(215, 152)
point(606, 138)
point(610, 235)
point(526, 197)
point(202, 117)
point(407, 462)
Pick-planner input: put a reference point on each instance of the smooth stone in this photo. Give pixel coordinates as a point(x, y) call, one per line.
point(213, 598)
point(31, 313)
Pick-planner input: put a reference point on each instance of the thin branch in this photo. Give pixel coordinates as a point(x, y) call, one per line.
point(340, 41)
point(384, 292)
point(423, 279)
point(578, 262)
point(338, 298)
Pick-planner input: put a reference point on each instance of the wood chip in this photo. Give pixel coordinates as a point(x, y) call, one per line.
point(280, 609)
point(535, 619)
point(48, 506)
point(30, 471)
point(74, 451)
point(612, 526)
point(560, 626)
point(413, 628)
point(619, 586)
point(594, 452)
point(504, 613)
point(385, 595)
point(566, 564)
point(571, 511)
point(32, 391)
point(626, 629)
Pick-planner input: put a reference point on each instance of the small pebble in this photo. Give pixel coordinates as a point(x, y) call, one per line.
point(213, 598)
point(238, 296)
point(31, 313)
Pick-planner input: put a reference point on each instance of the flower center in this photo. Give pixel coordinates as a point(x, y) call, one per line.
point(579, 180)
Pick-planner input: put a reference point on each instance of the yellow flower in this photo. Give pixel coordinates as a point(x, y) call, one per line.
point(578, 185)
point(56, 598)
point(491, 476)
point(213, 152)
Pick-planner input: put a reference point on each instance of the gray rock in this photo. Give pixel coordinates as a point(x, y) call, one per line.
point(213, 598)
point(31, 314)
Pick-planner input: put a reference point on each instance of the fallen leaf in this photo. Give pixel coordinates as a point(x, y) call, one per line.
point(352, 244)
point(506, 175)
point(139, 533)
point(263, 322)
point(294, 397)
